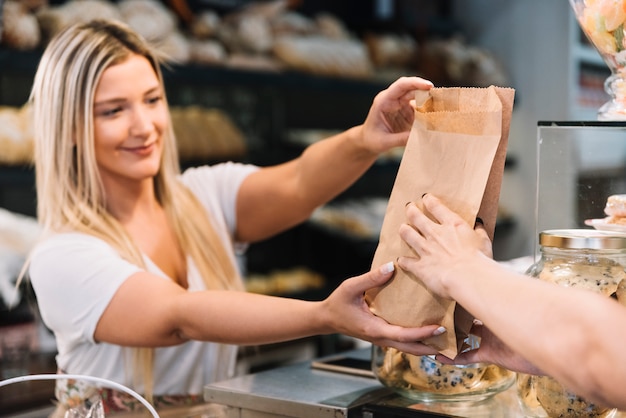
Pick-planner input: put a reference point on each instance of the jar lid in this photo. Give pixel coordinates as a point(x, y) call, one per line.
point(582, 239)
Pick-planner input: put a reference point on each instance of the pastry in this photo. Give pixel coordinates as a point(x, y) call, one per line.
point(558, 402)
point(616, 209)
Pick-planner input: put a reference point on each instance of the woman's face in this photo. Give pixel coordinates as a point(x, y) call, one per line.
point(130, 117)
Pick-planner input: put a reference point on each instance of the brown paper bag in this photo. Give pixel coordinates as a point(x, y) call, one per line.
point(456, 151)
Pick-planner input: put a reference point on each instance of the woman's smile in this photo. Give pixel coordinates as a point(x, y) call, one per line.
point(141, 150)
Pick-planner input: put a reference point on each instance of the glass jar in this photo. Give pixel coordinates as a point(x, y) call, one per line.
point(603, 23)
point(583, 258)
point(424, 379)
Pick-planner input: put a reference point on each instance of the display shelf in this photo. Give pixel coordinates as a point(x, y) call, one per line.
point(24, 63)
point(17, 189)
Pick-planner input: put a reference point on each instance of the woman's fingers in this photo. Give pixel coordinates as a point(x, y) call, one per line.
point(404, 87)
point(439, 211)
point(412, 237)
point(373, 278)
point(406, 339)
point(486, 247)
point(443, 219)
point(418, 219)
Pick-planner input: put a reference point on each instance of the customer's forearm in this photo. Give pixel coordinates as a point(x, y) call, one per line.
point(568, 333)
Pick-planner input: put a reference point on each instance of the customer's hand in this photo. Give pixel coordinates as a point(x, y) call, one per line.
point(348, 313)
point(443, 246)
point(445, 249)
point(391, 115)
point(492, 350)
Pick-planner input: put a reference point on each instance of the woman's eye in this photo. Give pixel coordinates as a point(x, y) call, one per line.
point(154, 99)
point(111, 112)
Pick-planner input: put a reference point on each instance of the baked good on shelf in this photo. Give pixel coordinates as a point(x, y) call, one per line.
point(53, 18)
point(205, 24)
point(207, 51)
point(324, 56)
point(206, 134)
point(19, 28)
point(16, 135)
point(390, 50)
point(149, 18)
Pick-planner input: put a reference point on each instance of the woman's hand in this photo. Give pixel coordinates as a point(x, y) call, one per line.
point(492, 350)
point(443, 246)
point(391, 115)
point(348, 313)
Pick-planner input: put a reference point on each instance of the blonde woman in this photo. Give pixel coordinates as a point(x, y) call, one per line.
point(137, 275)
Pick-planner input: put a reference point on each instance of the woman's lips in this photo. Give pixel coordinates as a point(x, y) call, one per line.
point(141, 150)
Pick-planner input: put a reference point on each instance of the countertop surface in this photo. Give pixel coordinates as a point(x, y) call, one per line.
point(302, 391)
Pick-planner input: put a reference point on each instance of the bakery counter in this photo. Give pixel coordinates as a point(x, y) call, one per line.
point(304, 391)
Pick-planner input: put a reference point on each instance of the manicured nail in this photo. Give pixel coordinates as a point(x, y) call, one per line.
point(387, 267)
point(439, 331)
point(407, 204)
point(424, 195)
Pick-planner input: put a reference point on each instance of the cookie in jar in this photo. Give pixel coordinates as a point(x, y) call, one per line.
point(588, 259)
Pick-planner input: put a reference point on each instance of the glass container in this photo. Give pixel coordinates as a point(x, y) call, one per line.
point(425, 379)
point(587, 259)
point(603, 24)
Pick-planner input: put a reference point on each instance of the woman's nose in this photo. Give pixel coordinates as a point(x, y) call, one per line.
point(140, 122)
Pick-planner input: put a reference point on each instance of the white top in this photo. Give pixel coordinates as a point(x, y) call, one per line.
point(75, 276)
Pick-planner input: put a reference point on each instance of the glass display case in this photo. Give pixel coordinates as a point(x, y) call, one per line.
point(580, 234)
point(579, 165)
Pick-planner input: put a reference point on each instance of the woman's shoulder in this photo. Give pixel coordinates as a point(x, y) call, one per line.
point(217, 186)
point(61, 240)
point(222, 172)
point(71, 248)
point(74, 256)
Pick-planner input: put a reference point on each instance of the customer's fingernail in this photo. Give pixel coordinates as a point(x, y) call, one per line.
point(424, 195)
point(439, 331)
point(479, 221)
point(387, 267)
point(407, 204)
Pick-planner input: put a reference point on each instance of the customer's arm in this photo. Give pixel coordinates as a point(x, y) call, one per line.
point(574, 335)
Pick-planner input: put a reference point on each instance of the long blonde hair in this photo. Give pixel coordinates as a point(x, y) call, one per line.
point(70, 196)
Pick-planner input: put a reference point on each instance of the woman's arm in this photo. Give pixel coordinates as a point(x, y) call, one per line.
point(149, 311)
point(278, 197)
point(574, 335)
